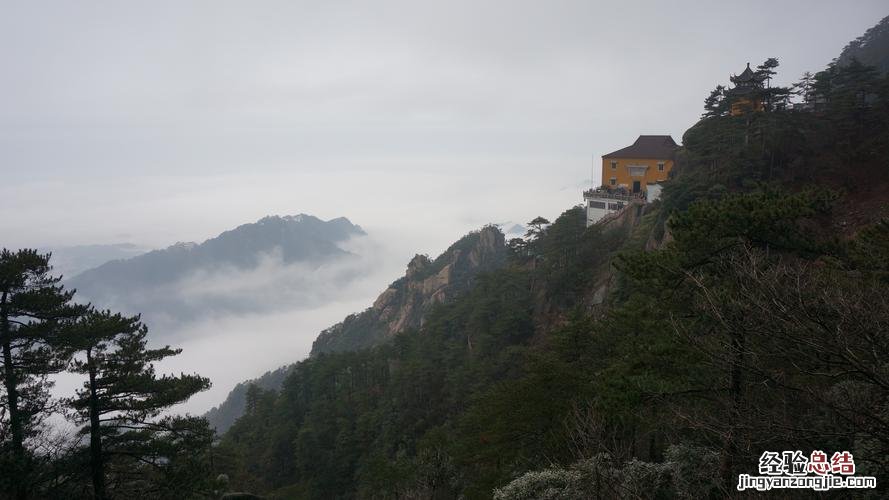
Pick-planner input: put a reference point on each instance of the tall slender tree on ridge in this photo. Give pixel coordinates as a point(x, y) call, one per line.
point(716, 104)
point(775, 97)
point(536, 227)
point(122, 399)
point(32, 303)
point(803, 87)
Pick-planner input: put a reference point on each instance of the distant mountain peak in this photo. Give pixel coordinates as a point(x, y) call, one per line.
point(308, 219)
point(128, 284)
point(182, 245)
point(288, 218)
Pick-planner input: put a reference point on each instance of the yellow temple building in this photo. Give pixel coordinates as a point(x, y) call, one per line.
point(647, 161)
point(631, 176)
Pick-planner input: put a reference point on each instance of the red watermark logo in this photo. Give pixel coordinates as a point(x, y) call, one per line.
point(793, 469)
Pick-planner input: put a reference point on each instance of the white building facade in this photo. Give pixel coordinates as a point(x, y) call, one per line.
point(602, 202)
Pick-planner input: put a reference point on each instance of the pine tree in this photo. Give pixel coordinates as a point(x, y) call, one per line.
point(123, 397)
point(518, 246)
point(32, 304)
point(854, 90)
point(766, 70)
point(536, 227)
point(854, 83)
point(774, 97)
point(803, 87)
point(715, 104)
point(823, 85)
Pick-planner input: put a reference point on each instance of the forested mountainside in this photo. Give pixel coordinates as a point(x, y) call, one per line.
point(155, 283)
point(402, 306)
point(223, 416)
point(656, 356)
point(871, 48)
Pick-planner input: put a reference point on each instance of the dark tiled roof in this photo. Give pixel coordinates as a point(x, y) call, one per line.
point(648, 147)
point(747, 77)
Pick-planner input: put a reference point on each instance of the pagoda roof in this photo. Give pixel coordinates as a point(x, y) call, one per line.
point(659, 147)
point(746, 76)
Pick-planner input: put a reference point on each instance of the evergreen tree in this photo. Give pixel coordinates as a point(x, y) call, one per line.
point(850, 92)
point(32, 303)
point(123, 396)
point(536, 227)
point(766, 70)
point(822, 85)
point(256, 398)
point(518, 246)
point(803, 87)
point(854, 84)
point(715, 104)
point(774, 97)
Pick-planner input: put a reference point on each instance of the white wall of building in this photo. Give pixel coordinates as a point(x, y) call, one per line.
point(654, 192)
point(594, 215)
point(596, 209)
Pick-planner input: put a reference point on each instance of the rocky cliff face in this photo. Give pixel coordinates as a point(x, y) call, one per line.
point(404, 304)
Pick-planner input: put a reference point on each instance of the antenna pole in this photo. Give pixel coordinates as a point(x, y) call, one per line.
point(593, 173)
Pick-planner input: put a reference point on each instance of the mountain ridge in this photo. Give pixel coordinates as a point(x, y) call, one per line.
point(871, 48)
point(426, 283)
point(149, 283)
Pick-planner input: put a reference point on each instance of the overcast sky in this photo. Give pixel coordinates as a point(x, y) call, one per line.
point(160, 121)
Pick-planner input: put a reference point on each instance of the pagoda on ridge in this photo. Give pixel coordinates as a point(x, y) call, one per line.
point(746, 95)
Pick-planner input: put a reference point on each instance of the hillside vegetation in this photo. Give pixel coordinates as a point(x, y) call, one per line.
point(404, 304)
point(745, 311)
point(871, 48)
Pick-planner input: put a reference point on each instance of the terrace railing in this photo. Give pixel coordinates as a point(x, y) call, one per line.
point(613, 194)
